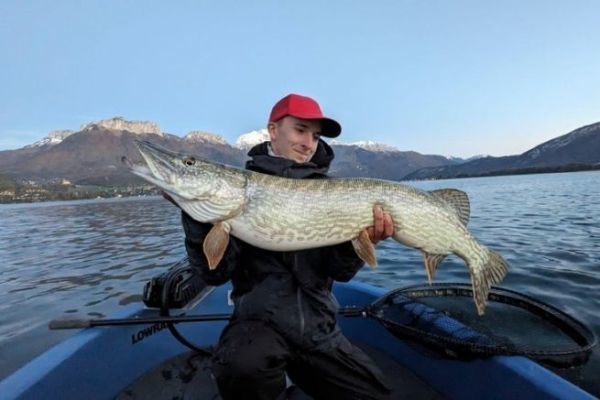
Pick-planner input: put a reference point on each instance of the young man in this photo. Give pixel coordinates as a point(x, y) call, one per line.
point(284, 320)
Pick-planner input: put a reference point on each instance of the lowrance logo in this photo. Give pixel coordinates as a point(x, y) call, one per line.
point(147, 332)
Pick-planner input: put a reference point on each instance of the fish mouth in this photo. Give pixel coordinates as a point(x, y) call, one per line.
point(160, 168)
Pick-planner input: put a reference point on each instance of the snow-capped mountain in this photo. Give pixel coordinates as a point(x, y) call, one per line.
point(460, 160)
point(204, 137)
point(54, 137)
point(91, 156)
point(121, 124)
point(577, 149)
point(555, 145)
point(367, 145)
point(477, 157)
point(251, 139)
point(116, 123)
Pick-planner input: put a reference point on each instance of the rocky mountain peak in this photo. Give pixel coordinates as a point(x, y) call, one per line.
point(121, 124)
point(204, 137)
point(60, 134)
point(54, 137)
point(564, 140)
point(367, 145)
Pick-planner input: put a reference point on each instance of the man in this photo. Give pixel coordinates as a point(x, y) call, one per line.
point(284, 320)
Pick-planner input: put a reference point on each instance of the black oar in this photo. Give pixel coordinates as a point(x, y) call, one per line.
point(80, 323)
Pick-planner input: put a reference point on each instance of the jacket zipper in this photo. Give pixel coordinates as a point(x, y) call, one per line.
point(301, 311)
point(299, 299)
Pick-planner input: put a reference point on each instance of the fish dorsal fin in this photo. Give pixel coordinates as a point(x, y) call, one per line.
point(431, 263)
point(364, 248)
point(457, 199)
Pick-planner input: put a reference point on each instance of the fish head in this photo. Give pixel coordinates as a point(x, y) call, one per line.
point(183, 177)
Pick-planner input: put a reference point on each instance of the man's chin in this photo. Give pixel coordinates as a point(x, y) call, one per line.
point(302, 158)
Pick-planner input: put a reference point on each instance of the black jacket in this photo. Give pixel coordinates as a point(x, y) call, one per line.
point(290, 290)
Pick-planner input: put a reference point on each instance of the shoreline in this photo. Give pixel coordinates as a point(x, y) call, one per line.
point(514, 171)
point(44, 194)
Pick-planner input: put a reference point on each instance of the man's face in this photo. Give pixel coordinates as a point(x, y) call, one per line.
point(294, 138)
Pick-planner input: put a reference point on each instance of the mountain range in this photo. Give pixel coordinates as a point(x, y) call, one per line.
point(576, 150)
point(91, 155)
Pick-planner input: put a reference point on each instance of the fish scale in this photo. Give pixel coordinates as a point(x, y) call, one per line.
point(282, 214)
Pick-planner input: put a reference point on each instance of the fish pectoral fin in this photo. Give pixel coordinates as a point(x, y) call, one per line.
point(364, 248)
point(215, 243)
point(431, 263)
point(457, 199)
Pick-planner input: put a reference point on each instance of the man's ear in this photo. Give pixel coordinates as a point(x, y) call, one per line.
point(272, 129)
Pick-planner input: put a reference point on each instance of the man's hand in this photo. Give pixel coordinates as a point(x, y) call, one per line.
point(383, 226)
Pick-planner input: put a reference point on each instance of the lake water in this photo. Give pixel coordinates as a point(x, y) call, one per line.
point(92, 257)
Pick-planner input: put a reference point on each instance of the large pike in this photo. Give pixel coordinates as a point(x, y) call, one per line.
point(282, 214)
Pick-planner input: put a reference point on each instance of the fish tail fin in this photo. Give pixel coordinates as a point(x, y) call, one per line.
point(488, 270)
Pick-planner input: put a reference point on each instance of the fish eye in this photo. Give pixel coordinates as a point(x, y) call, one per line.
point(189, 161)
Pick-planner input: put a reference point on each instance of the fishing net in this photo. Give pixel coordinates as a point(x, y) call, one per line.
point(442, 317)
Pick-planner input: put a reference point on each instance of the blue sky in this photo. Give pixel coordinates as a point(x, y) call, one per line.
point(438, 77)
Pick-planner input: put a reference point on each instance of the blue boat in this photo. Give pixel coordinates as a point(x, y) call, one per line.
point(147, 361)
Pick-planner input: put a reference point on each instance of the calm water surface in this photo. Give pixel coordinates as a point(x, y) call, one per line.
point(92, 257)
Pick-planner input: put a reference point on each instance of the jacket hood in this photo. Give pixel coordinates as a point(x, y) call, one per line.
point(317, 167)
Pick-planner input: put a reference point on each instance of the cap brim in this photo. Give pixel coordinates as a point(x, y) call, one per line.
point(330, 128)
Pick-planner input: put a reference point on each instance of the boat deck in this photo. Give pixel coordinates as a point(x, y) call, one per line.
point(146, 362)
point(188, 377)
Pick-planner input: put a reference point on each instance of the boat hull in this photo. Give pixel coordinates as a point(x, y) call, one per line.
point(101, 362)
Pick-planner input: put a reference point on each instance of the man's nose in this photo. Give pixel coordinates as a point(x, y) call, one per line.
point(309, 140)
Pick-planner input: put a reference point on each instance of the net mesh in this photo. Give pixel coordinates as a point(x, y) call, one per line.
point(442, 317)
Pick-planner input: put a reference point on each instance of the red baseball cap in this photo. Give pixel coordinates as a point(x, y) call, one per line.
point(304, 107)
